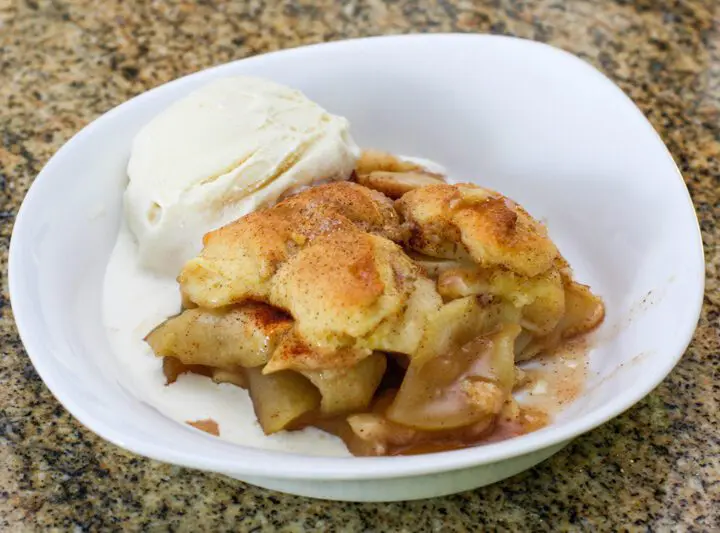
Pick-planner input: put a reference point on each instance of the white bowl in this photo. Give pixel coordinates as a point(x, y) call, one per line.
point(534, 122)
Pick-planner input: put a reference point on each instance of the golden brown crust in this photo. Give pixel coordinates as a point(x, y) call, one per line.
point(368, 210)
point(343, 285)
point(239, 260)
point(325, 257)
point(452, 221)
point(429, 214)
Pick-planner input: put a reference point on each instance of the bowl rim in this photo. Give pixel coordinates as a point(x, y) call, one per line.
point(296, 466)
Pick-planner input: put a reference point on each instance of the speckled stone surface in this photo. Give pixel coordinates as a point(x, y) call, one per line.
point(62, 64)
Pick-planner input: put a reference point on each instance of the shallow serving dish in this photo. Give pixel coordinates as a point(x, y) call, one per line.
point(533, 122)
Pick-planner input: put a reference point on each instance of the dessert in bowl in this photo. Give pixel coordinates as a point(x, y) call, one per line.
point(530, 122)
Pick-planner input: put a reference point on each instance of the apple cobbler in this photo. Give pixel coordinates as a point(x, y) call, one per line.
point(391, 310)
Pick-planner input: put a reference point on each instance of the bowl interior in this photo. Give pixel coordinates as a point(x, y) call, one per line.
point(535, 123)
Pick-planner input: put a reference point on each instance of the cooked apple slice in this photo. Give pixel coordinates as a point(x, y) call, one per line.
point(173, 367)
point(403, 332)
point(281, 398)
point(235, 376)
point(378, 161)
point(460, 321)
point(541, 297)
point(345, 390)
point(434, 266)
point(243, 335)
point(458, 387)
point(584, 310)
point(395, 184)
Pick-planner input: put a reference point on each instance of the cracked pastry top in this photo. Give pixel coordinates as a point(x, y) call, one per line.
point(391, 310)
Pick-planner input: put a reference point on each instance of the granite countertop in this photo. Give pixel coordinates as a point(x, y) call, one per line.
point(62, 64)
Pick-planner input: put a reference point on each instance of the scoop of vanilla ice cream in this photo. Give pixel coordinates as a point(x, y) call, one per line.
point(228, 148)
